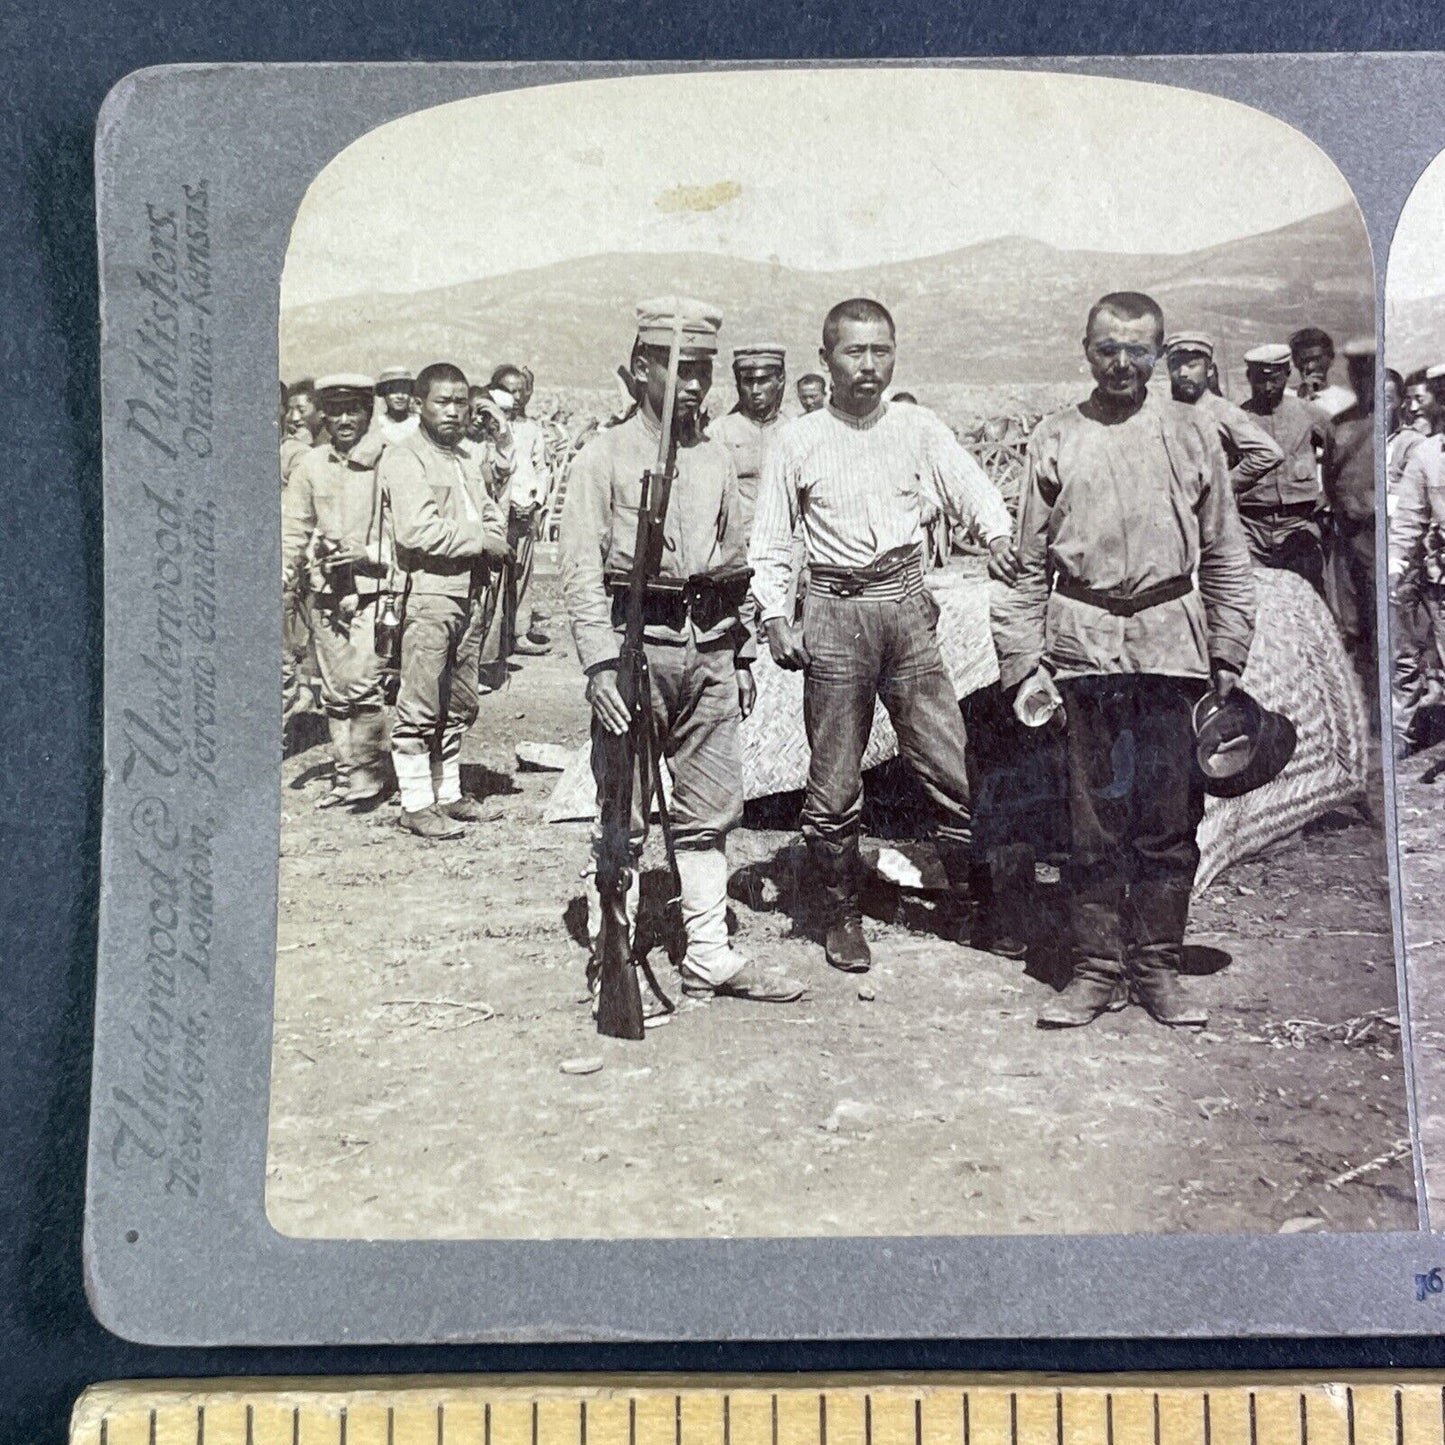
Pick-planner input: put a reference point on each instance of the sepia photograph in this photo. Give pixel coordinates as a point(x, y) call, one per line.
point(1415, 479)
point(829, 672)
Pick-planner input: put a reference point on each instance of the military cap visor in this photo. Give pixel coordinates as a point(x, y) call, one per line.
point(1193, 343)
point(1270, 355)
point(344, 383)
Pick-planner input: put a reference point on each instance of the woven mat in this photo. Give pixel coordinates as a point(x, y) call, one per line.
point(1297, 666)
point(775, 750)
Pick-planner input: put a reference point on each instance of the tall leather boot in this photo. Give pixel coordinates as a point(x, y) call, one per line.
point(976, 909)
point(837, 863)
point(1100, 984)
point(368, 756)
point(1158, 913)
point(340, 730)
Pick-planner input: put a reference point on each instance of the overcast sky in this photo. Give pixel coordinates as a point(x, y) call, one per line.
point(1417, 258)
point(822, 170)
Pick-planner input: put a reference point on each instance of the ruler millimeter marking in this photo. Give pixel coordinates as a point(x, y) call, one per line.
point(1407, 1409)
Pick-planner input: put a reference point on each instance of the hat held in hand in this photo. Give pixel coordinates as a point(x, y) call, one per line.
point(1239, 745)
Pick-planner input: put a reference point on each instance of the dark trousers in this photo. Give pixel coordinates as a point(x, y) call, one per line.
point(1016, 777)
point(863, 650)
point(1291, 541)
point(1135, 802)
point(1418, 613)
point(1353, 560)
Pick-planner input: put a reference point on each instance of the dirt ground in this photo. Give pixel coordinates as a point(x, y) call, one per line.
point(429, 995)
point(1420, 798)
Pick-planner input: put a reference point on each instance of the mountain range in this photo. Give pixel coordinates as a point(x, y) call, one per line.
point(1415, 332)
point(1005, 310)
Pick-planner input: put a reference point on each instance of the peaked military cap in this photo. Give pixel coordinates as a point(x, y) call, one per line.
point(1359, 346)
point(344, 383)
point(390, 374)
point(1191, 341)
point(1436, 372)
point(696, 322)
point(1272, 353)
point(759, 353)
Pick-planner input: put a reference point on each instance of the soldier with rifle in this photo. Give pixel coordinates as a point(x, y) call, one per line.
point(654, 580)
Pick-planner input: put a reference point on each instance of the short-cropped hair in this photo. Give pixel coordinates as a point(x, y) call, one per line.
point(438, 371)
point(1127, 306)
point(856, 308)
point(1308, 337)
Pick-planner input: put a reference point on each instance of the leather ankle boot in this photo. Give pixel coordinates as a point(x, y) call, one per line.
point(1086, 996)
point(1162, 993)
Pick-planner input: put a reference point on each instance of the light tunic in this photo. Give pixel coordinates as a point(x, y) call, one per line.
point(1251, 451)
point(702, 533)
point(444, 518)
point(1418, 514)
point(331, 497)
point(1119, 507)
point(1303, 432)
point(748, 443)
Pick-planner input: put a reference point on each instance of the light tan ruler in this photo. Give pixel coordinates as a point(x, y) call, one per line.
point(1406, 1409)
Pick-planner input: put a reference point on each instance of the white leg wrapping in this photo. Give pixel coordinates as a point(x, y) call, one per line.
point(704, 877)
point(413, 778)
point(446, 775)
point(340, 730)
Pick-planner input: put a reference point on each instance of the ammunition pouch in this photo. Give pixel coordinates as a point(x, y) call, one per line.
point(706, 599)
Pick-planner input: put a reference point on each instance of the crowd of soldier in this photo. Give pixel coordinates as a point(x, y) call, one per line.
point(1415, 483)
point(1122, 588)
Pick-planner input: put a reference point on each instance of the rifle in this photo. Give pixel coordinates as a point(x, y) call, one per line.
point(635, 753)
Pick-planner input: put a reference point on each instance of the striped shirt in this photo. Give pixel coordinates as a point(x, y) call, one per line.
point(861, 487)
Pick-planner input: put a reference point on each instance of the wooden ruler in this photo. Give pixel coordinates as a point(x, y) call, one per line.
point(934, 1409)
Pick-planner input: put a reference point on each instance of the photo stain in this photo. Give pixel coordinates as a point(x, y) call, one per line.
point(699, 198)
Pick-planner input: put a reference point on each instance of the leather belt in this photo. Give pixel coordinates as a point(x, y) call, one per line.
point(705, 599)
point(1154, 596)
point(1278, 509)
